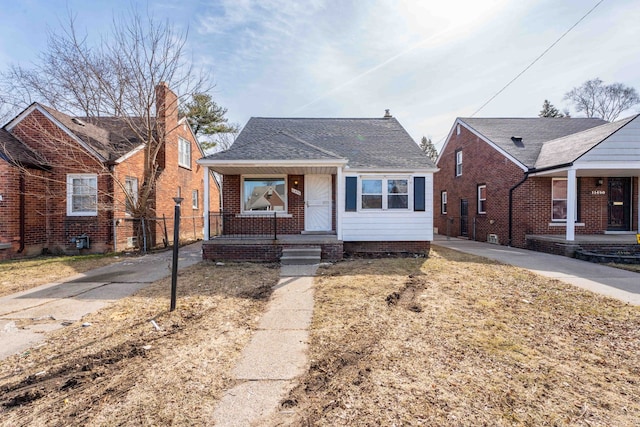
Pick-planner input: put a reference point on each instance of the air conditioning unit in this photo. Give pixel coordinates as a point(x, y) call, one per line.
point(492, 238)
point(132, 242)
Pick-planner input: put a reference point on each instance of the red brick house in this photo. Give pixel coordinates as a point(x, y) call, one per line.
point(64, 181)
point(330, 184)
point(541, 183)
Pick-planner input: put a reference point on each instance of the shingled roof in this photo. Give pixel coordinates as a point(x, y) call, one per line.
point(111, 137)
point(364, 143)
point(15, 152)
point(532, 131)
point(571, 147)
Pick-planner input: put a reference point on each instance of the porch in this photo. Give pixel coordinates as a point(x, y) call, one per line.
point(557, 244)
point(268, 249)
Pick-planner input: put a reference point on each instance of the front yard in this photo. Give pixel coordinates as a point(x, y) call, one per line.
point(451, 340)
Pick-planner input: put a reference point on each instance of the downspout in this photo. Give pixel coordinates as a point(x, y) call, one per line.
point(22, 212)
point(511, 190)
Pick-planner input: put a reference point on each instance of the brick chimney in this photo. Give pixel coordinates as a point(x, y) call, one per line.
point(166, 108)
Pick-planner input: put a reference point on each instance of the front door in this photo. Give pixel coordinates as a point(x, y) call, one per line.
point(619, 212)
point(317, 211)
point(464, 218)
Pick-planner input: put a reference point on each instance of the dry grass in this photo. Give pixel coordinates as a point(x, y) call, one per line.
point(630, 267)
point(20, 275)
point(460, 340)
point(122, 371)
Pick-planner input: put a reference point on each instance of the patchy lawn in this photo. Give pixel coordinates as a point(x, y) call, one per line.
point(20, 275)
point(460, 340)
point(451, 340)
point(630, 267)
point(121, 370)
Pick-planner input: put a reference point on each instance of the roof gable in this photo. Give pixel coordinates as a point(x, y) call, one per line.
point(363, 143)
point(14, 151)
point(599, 143)
point(531, 133)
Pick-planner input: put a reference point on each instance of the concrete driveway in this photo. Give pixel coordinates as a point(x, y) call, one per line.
point(613, 282)
point(25, 317)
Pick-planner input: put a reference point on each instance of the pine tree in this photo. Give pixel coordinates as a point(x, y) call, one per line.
point(548, 110)
point(427, 146)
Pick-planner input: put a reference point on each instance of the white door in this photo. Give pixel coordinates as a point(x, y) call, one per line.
point(317, 211)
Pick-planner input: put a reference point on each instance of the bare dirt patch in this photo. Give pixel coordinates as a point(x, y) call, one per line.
point(20, 275)
point(123, 370)
point(461, 340)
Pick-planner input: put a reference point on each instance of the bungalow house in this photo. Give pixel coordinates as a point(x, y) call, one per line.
point(335, 184)
point(546, 184)
point(69, 184)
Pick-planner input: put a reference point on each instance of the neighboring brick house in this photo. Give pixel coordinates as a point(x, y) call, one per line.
point(66, 177)
point(341, 185)
point(514, 181)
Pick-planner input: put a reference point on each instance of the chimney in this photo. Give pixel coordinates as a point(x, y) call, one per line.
point(387, 114)
point(166, 108)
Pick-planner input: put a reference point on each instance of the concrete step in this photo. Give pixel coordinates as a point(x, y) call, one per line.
point(300, 256)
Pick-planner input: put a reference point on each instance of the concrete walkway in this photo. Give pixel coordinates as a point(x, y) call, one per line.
point(613, 282)
point(26, 317)
point(276, 354)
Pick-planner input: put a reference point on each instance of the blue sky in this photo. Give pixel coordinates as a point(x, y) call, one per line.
point(427, 61)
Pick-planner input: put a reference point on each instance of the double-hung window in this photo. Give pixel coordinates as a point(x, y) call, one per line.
point(443, 202)
point(264, 194)
point(384, 193)
point(482, 199)
point(459, 163)
point(558, 199)
point(184, 153)
point(131, 198)
point(82, 194)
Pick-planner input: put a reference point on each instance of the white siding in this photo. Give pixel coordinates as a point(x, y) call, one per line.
point(621, 147)
point(391, 225)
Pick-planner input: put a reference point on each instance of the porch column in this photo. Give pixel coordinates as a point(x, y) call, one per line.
point(207, 177)
point(571, 204)
point(340, 201)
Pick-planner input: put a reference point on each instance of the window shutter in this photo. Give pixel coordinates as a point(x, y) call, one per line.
point(351, 194)
point(418, 194)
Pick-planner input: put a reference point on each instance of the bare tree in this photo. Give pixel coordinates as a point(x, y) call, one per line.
point(115, 78)
point(605, 101)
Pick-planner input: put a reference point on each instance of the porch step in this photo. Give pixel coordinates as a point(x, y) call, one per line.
point(300, 256)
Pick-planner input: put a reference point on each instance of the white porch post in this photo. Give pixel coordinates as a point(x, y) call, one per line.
point(571, 204)
point(340, 201)
point(206, 202)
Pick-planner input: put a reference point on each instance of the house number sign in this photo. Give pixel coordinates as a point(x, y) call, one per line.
point(598, 192)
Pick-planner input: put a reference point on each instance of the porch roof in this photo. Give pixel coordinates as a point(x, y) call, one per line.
point(568, 149)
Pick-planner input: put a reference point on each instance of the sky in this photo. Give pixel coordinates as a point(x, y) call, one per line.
point(426, 61)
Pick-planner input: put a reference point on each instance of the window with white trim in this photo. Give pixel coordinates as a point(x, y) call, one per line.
point(82, 194)
point(559, 200)
point(184, 153)
point(194, 199)
point(131, 198)
point(384, 193)
point(459, 163)
point(482, 199)
point(261, 194)
point(443, 202)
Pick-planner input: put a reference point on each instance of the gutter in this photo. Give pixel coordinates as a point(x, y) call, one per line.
point(22, 213)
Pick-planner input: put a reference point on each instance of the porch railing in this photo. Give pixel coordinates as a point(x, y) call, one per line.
point(244, 226)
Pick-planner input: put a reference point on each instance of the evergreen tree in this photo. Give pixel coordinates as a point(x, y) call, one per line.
point(548, 110)
point(427, 146)
point(207, 118)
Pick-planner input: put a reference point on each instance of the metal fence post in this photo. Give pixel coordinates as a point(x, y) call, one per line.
point(176, 246)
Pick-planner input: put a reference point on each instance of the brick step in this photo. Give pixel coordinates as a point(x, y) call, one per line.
point(300, 256)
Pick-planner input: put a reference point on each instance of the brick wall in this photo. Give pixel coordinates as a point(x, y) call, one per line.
point(481, 164)
point(261, 252)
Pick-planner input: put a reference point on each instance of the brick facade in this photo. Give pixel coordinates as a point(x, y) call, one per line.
point(48, 228)
point(484, 165)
